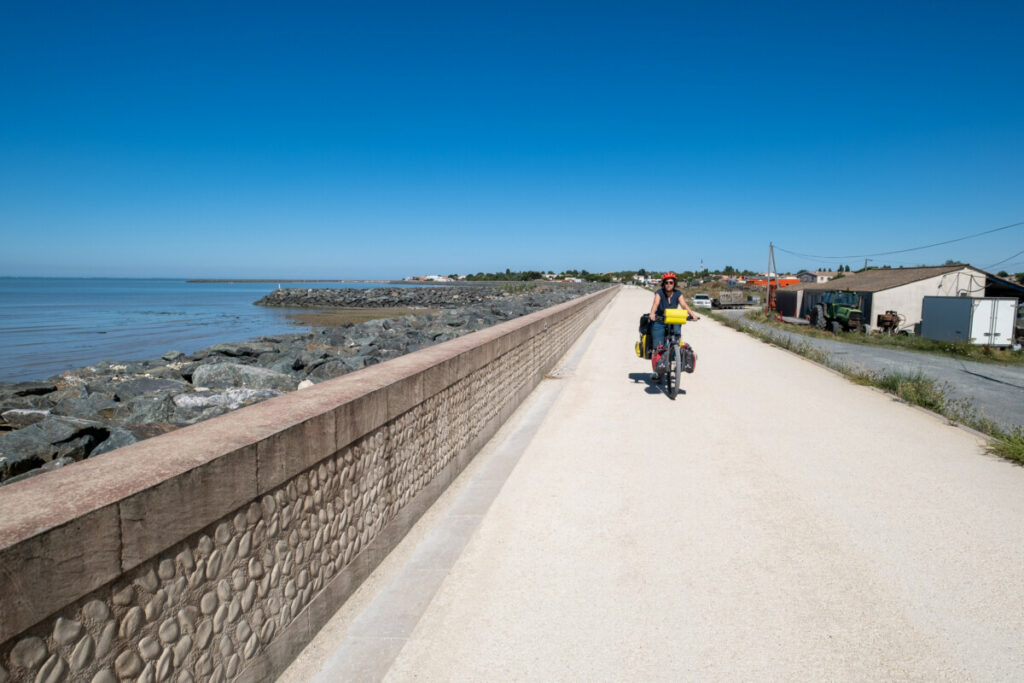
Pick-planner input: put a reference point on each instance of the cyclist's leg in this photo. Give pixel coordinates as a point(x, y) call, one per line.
point(657, 339)
point(657, 334)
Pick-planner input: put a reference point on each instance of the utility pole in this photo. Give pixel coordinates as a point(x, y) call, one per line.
point(769, 294)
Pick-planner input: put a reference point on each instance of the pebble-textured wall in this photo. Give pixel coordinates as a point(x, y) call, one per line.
point(207, 608)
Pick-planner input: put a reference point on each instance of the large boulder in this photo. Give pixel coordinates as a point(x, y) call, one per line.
point(245, 349)
point(330, 370)
point(146, 409)
point(125, 391)
point(285, 364)
point(118, 437)
point(23, 417)
point(229, 375)
point(23, 450)
point(53, 437)
point(93, 406)
point(26, 388)
point(230, 399)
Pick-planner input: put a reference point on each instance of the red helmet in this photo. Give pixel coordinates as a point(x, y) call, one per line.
point(669, 276)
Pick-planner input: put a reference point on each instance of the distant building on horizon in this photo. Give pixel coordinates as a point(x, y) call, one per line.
point(816, 276)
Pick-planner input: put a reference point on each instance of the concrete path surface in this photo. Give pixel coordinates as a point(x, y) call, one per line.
point(776, 522)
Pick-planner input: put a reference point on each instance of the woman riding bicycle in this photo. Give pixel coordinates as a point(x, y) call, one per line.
point(667, 297)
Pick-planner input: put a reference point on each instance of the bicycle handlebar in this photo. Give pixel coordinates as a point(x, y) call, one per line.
point(661, 319)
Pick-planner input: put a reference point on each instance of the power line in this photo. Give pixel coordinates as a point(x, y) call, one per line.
point(903, 251)
point(999, 263)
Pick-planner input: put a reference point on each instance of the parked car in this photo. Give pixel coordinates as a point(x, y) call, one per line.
point(702, 300)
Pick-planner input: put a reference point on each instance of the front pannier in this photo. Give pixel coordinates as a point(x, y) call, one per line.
point(643, 347)
point(689, 358)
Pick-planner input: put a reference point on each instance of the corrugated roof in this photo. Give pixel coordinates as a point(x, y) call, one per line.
point(876, 280)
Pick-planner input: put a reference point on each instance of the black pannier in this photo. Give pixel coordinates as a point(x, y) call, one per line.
point(645, 323)
point(689, 358)
point(643, 347)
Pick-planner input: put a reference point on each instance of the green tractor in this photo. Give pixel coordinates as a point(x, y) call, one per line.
point(838, 311)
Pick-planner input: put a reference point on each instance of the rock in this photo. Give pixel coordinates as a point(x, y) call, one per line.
point(329, 370)
point(28, 653)
point(118, 437)
point(305, 384)
point(25, 402)
point(58, 428)
point(39, 388)
point(146, 409)
point(23, 417)
point(230, 399)
point(224, 375)
point(54, 464)
point(95, 406)
point(129, 401)
point(233, 350)
point(23, 450)
point(286, 364)
point(172, 371)
point(142, 386)
point(136, 367)
point(73, 389)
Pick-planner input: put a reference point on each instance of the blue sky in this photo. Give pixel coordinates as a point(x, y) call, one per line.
point(383, 139)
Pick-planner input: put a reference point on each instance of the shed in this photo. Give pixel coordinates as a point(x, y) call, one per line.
point(890, 289)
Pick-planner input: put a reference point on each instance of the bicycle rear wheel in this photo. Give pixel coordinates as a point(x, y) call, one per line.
point(674, 372)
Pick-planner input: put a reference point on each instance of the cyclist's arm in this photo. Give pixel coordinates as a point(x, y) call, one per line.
point(654, 308)
point(693, 315)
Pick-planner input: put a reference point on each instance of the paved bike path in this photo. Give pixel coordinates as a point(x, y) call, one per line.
point(735, 533)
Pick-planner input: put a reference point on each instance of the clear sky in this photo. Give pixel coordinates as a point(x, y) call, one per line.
point(380, 139)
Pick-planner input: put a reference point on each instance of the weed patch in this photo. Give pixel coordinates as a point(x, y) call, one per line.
point(913, 388)
point(1009, 445)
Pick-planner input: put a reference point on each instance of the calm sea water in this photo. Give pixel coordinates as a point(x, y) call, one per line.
point(49, 325)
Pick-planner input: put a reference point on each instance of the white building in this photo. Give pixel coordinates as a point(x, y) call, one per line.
point(814, 276)
point(889, 289)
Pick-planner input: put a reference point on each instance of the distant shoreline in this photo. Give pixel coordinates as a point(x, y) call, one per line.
point(418, 283)
point(230, 280)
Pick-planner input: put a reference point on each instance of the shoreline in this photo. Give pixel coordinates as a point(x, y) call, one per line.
point(90, 410)
point(262, 280)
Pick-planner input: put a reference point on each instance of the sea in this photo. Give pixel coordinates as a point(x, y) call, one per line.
point(50, 325)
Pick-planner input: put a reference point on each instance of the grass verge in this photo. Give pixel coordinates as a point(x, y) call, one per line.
point(913, 388)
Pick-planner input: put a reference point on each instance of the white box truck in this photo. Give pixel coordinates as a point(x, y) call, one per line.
point(987, 321)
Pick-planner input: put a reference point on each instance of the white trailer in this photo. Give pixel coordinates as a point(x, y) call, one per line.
point(981, 321)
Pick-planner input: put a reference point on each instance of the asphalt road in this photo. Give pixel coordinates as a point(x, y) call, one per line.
point(996, 391)
point(775, 522)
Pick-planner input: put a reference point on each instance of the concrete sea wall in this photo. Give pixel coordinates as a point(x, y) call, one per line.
point(217, 551)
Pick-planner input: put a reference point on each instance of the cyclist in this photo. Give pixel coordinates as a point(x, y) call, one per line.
point(666, 297)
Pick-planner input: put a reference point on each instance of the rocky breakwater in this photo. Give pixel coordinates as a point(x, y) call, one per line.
point(89, 411)
point(416, 297)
